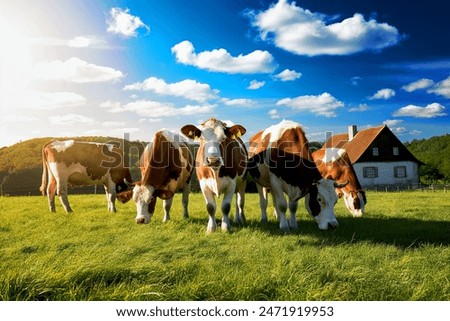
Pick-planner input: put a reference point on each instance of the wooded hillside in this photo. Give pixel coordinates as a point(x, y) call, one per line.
point(435, 153)
point(21, 164)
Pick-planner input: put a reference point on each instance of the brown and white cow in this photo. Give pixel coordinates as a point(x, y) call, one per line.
point(279, 159)
point(79, 163)
point(221, 167)
point(335, 163)
point(166, 167)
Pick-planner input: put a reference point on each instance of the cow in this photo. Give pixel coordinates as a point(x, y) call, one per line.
point(166, 167)
point(220, 167)
point(336, 163)
point(78, 163)
point(279, 159)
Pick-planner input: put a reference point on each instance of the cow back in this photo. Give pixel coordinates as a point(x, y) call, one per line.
point(337, 166)
point(165, 159)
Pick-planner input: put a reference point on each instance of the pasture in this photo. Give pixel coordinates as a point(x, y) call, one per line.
point(400, 250)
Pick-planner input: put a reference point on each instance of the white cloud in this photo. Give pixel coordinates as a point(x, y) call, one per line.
point(238, 102)
point(384, 93)
point(399, 130)
point(254, 84)
point(40, 100)
point(220, 60)
point(75, 70)
point(288, 75)
point(112, 106)
point(123, 23)
point(71, 119)
point(87, 41)
point(188, 88)
point(442, 88)
point(430, 111)
point(419, 84)
point(392, 122)
point(354, 81)
point(16, 118)
point(156, 109)
point(113, 124)
point(303, 32)
point(324, 104)
point(273, 113)
point(360, 108)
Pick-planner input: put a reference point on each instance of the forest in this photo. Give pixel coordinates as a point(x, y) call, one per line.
point(21, 163)
point(435, 153)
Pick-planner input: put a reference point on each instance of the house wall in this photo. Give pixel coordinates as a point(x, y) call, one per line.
point(386, 174)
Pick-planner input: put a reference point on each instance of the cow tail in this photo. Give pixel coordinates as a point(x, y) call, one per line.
point(43, 187)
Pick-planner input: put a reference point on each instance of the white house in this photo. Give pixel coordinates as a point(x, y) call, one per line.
point(378, 157)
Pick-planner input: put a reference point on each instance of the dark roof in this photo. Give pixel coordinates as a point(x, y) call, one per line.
point(360, 142)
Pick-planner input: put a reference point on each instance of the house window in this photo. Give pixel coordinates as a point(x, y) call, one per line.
point(400, 171)
point(395, 151)
point(375, 151)
point(370, 172)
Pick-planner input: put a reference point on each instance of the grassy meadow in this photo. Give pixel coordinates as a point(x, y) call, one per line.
point(400, 250)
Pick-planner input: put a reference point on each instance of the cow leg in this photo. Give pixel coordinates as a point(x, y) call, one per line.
point(62, 192)
point(293, 205)
point(110, 190)
point(280, 203)
point(226, 206)
point(185, 199)
point(211, 208)
point(262, 202)
point(240, 202)
point(51, 192)
point(167, 204)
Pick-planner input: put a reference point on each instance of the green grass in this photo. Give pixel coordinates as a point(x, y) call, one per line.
point(398, 251)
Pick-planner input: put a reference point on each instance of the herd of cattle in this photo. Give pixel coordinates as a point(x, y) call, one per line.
point(277, 158)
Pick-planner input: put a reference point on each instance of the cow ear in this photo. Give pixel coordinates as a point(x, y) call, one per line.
point(163, 194)
point(236, 131)
point(341, 185)
point(124, 197)
point(191, 131)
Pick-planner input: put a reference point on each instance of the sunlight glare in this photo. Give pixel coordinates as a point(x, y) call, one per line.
point(16, 62)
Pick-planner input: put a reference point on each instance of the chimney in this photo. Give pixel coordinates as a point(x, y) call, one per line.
point(352, 130)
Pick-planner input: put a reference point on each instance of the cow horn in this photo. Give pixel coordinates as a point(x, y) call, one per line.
point(127, 182)
point(340, 185)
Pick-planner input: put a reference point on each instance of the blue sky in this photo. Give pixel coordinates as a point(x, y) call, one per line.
point(73, 68)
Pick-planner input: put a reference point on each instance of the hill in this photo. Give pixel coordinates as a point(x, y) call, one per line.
point(435, 153)
point(21, 164)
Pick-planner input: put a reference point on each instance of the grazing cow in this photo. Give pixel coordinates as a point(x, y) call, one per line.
point(335, 162)
point(78, 163)
point(279, 159)
point(221, 167)
point(166, 167)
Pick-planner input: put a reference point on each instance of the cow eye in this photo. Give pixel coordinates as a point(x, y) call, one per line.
point(319, 200)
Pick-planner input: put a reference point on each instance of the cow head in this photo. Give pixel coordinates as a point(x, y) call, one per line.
point(145, 198)
point(320, 202)
point(213, 137)
point(355, 202)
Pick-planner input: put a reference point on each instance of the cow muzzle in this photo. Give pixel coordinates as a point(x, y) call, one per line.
point(330, 225)
point(215, 162)
point(142, 220)
point(213, 157)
